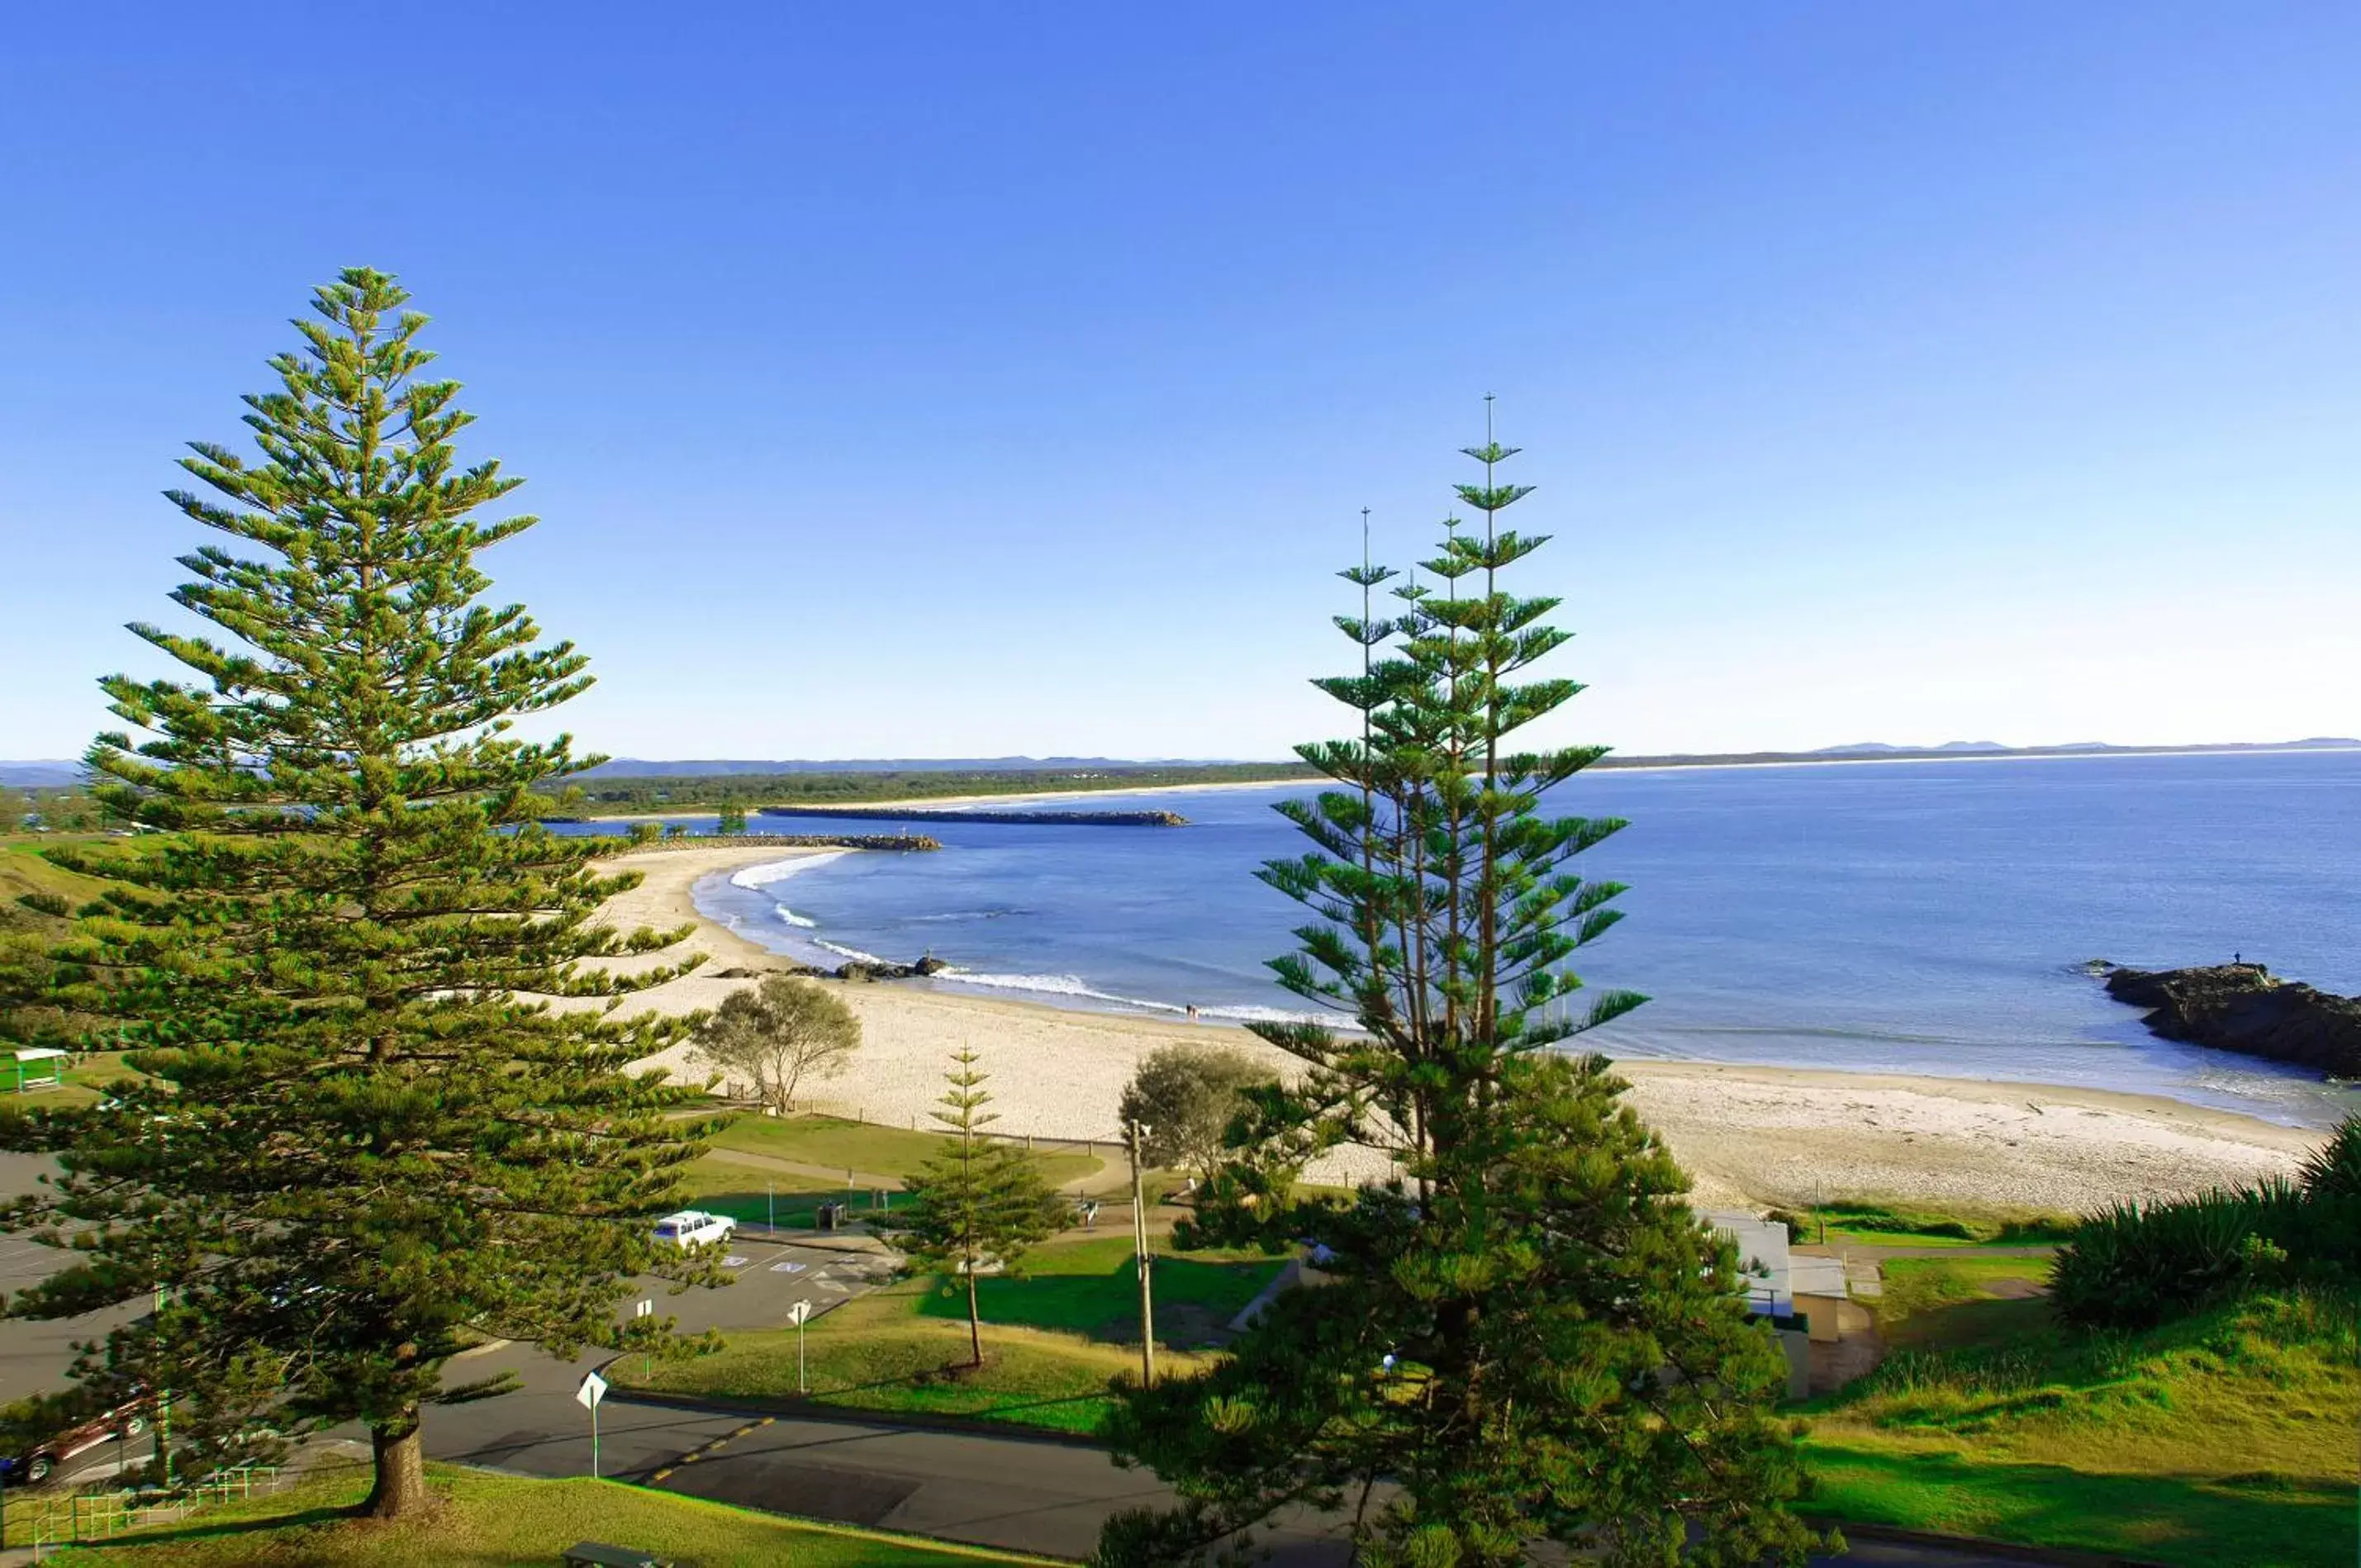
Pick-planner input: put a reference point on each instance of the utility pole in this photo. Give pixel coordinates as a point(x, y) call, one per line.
point(1133, 1133)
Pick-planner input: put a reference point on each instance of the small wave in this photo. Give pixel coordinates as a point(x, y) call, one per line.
point(1075, 986)
point(779, 871)
point(856, 954)
point(792, 918)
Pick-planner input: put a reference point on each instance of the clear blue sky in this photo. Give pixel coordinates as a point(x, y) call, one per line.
point(955, 379)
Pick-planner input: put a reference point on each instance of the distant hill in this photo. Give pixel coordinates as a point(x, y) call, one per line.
point(1866, 750)
point(39, 775)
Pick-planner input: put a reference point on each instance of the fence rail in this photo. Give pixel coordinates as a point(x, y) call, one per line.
point(85, 1517)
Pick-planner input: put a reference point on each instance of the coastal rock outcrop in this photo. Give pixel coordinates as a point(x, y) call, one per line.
point(2244, 1007)
point(858, 970)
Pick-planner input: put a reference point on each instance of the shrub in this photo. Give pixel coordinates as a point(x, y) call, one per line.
point(2138, 1264)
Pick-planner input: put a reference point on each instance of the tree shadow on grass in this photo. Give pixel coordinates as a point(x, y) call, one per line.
point(2255, 1521)
point(1194, 1300)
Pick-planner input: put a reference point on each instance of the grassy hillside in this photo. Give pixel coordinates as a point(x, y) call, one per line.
point(2226, 1437)
point(490, 1522)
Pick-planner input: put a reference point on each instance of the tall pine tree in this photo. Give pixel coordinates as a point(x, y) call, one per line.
point(1526, 1336)
point(976, 1203)
point(386, 1108)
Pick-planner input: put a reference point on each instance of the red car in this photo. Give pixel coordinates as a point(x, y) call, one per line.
point(32, 1468)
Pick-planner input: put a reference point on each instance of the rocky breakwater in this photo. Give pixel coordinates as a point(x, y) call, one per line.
point(938, 813)
point(2244, 1007)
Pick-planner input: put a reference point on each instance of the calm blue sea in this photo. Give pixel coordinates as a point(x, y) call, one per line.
point(1924, 918)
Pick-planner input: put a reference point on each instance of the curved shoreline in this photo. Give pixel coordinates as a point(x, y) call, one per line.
point(1746, 1133)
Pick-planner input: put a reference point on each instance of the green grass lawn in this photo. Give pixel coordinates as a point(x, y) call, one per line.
point(490, 1522)
point(752, 1194)
point(859, 1145)
point(1964, 1299)
point(1052, 1338)
point(2224, 1438)
point(1878, 1225)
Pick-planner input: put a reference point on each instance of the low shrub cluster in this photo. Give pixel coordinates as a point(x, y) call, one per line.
point(2140, 1264)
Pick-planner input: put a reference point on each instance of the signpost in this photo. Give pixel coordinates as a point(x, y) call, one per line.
point(799, 1314)
point(593, 1389)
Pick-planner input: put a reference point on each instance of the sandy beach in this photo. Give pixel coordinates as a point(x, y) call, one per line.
point(1746, 1134)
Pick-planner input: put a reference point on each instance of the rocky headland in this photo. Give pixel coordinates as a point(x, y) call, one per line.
point(2244, 1007)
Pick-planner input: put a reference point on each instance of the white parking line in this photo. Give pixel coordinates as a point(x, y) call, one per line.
point(789, 1268)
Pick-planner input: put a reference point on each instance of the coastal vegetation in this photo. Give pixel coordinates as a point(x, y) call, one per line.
point(2134, 1264)
point(1185, 1096)
point(349, 1146)
point(1527, 1336)
point(486, 1520)
point(768, 1042)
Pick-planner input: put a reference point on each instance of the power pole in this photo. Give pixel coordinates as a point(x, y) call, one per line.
point(1132, 1133)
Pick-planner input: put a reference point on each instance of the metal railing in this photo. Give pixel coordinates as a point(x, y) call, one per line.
point(85, 1517)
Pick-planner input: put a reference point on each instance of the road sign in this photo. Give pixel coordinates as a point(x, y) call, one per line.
point(593, 1389)
point(645, 1309)
point(798, 1315)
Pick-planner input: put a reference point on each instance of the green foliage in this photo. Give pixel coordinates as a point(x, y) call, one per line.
point(383, 1108)
point(1528, 1336)
point(978, 1203)
point(1187, 1095)
point(779, 1035)
point(732, 820)
point(2137, 1264)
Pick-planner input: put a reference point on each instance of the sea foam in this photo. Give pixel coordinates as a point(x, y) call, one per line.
point(779, 871)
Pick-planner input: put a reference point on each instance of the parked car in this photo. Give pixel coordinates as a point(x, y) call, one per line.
point(33, 1465)
point(693, 1227)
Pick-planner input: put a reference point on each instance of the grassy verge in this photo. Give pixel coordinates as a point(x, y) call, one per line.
point(1053, 1338)
point(501, 1519)
point(2225, 1438)
point(859, 1145)
point(1878, 1225)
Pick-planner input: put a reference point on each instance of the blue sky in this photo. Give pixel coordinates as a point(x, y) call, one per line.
point(957, 381)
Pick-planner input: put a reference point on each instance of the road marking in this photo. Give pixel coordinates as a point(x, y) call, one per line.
point(736, 1261)
point(837, 1285)
point(789, 1268)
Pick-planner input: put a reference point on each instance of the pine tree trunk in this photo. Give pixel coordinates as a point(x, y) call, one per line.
point(399, 1490)
point(974, 1321)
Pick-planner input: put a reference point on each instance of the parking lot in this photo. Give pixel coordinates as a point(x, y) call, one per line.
point(771, 1275)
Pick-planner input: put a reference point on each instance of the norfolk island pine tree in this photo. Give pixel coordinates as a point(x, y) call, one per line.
point(1526, 1335)
point(366, 1136)
point(976, 1201)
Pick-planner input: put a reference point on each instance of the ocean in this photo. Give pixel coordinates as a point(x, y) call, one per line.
point(1908, 917)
